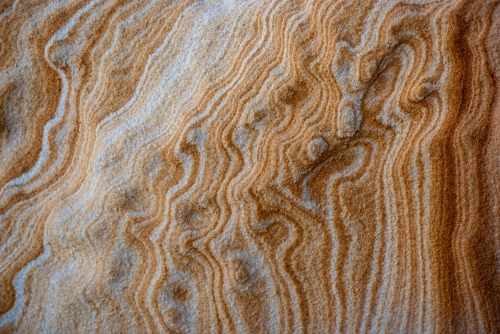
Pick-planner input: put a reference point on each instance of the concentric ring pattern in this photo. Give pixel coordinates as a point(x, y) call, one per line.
point(250, 166)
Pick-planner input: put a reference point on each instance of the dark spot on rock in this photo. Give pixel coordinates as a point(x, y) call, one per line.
point(293, 94)
point(258, 115)
point(126, 199)
point(180, 293)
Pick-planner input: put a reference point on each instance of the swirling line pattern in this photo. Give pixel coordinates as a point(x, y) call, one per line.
point(250, 166)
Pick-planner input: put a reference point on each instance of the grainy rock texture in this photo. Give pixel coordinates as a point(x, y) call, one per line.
point(249, 166)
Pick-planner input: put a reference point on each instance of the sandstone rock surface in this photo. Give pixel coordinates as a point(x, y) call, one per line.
point(250, 166)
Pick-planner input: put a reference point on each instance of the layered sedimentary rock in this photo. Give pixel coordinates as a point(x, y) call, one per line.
point(250, 166)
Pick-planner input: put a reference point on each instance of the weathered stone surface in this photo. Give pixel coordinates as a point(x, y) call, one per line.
point(250, 166)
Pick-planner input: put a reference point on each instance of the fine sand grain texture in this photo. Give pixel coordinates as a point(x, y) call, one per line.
point(249, 166)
